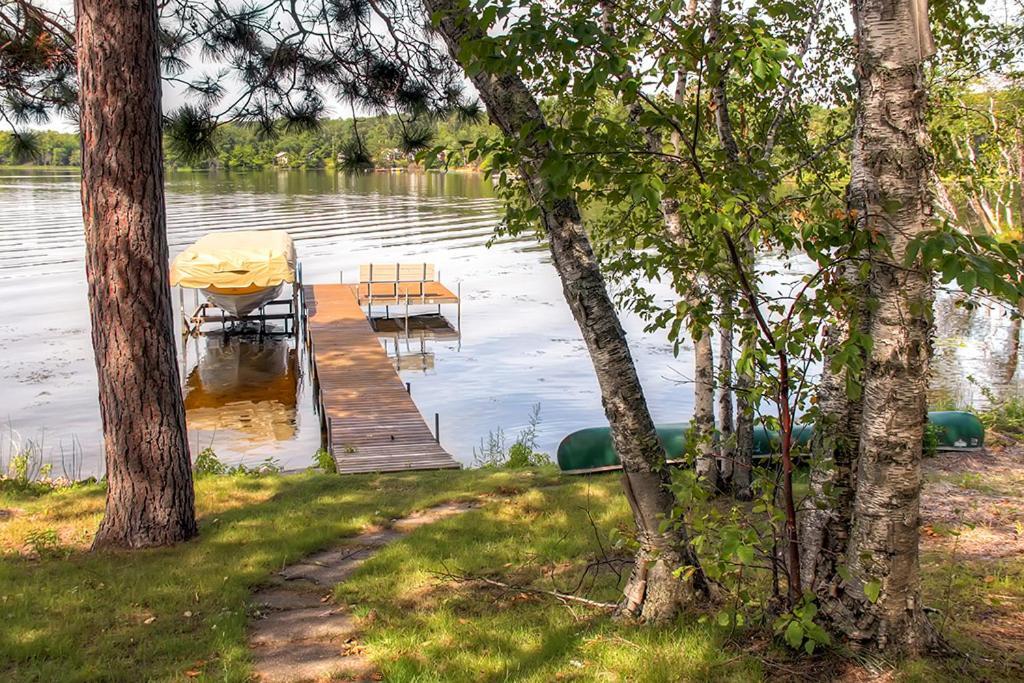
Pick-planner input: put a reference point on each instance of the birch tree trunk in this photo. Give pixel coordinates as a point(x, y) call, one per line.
point(727, 442)
point(653, 592)
point(744, 383)
point(150, 500)
point(890, 167)
point(828, 509)
point(702, 426)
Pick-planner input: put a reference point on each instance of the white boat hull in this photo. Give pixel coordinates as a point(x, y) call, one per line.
point(241, 305)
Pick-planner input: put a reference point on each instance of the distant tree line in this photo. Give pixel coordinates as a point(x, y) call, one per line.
point(369, 142)
point(47, 148)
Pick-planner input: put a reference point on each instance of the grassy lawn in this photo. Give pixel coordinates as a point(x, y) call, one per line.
point(74, 615)
point(173, 613)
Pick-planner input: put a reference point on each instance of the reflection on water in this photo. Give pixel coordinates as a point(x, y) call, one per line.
point(244, 386)
point(519, 345)
point(408, 342)
point(977, 353)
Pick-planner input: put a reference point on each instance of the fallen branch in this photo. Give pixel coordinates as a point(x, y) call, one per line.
point(564, 597)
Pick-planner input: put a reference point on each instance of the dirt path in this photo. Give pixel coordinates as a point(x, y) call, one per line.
point(980, 495)
point(299, 633)
point(972, 513)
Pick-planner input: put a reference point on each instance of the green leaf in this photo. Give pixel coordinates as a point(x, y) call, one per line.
point(872, 589)
point(794, 634)
point(745, 553)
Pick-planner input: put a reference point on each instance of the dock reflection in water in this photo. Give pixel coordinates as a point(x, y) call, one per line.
point(409, 348)
point(244, 389)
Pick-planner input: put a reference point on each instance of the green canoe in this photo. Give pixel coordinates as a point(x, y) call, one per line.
point(591, 450)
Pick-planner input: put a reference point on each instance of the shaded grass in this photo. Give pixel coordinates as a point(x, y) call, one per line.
point(73, 615)
point(422, 626)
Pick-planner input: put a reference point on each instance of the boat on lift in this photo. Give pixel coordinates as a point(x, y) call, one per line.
point(239, 271)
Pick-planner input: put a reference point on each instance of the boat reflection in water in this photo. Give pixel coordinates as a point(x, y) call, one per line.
point(245, 387)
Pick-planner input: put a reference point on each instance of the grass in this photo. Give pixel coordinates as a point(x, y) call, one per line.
point(982, 604)
point(155, 615)
point(72, 615)
point(425, 628)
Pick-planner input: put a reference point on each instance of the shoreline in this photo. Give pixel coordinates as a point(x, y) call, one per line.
point(333, 169)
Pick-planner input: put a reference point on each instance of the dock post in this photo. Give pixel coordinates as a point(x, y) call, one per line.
point(408, 387)
point(296, 286)
point(437, 427)
point(407, 315)
point(458, 307)
point(330, 438)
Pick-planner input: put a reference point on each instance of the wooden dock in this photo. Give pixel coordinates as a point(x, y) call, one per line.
point(372, 423)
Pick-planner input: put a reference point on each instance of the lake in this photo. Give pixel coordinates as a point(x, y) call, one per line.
point(519, 345)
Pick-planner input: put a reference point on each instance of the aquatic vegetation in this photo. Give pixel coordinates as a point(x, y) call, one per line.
point(207, 464)
point(496, 452)
point(23, 468)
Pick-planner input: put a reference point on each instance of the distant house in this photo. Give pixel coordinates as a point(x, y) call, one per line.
point(281, 159)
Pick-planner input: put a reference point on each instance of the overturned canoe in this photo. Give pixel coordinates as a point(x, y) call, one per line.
point(591, 450)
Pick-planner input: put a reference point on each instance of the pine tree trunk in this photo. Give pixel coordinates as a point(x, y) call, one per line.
point(150, 500)
point(653, 592)
point(890, 167)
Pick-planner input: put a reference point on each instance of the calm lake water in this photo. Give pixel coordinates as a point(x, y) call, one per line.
point(250, 401)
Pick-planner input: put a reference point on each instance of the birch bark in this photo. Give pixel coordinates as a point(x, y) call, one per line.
point(890, 171)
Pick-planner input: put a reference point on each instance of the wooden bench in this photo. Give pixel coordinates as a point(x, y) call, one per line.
point(391, 284)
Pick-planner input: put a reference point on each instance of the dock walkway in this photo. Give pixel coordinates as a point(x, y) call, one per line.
point(373, 424)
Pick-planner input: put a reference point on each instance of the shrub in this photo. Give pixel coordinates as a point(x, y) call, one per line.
point(324, 461)
point(268, 466)
point(208, 464)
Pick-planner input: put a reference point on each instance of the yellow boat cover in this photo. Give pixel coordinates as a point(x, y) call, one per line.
point(236, 259)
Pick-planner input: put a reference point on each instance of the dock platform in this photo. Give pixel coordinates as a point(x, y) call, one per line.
point(371, 421)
